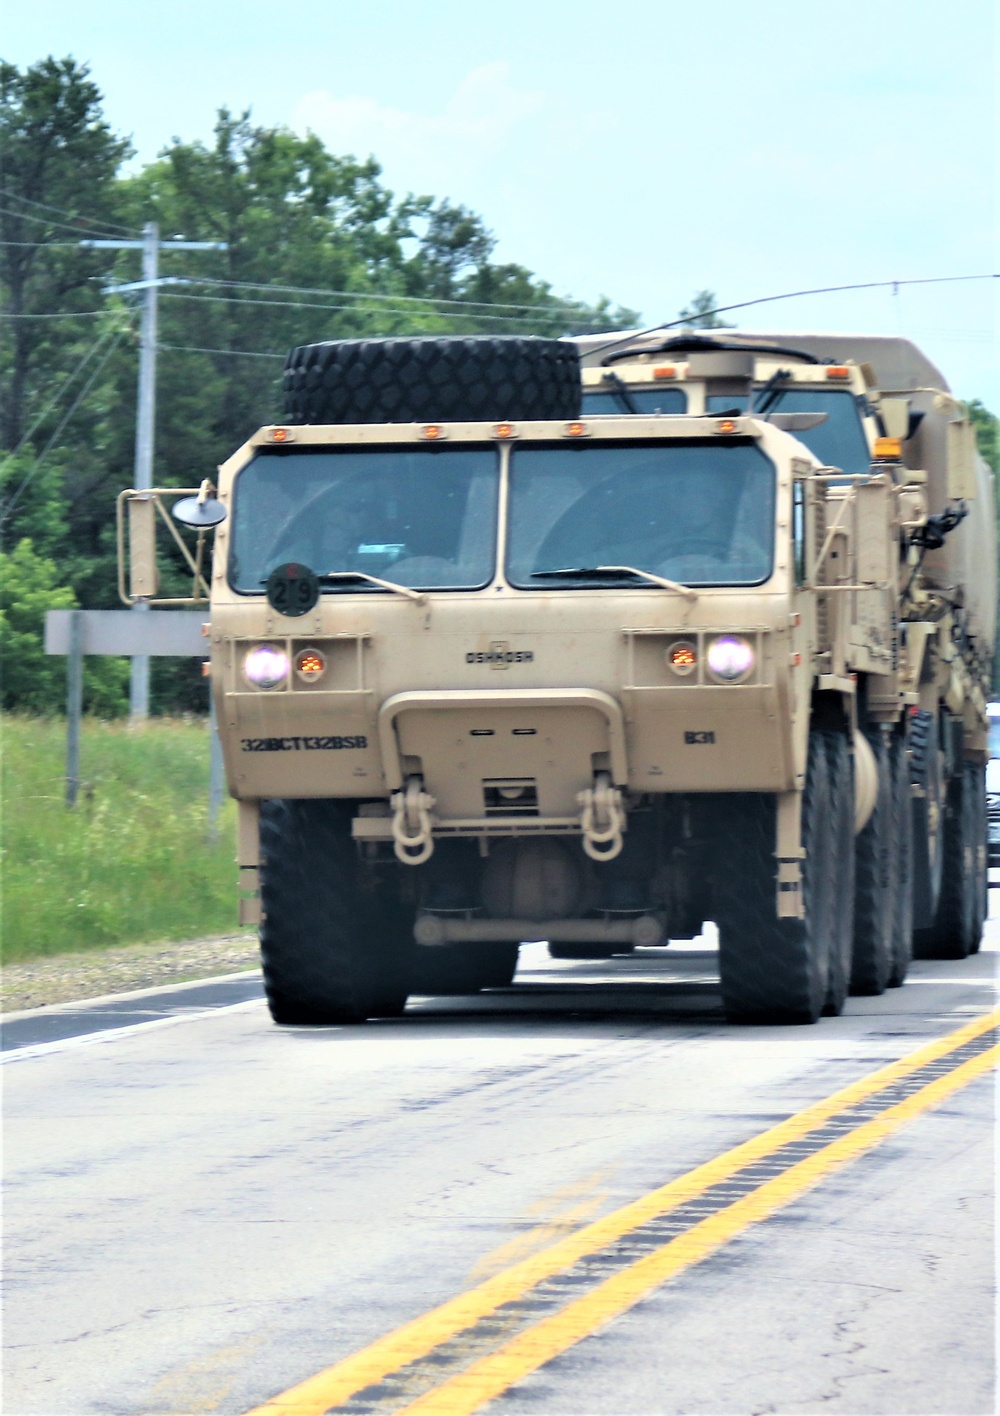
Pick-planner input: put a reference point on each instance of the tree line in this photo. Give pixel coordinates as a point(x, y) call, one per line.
point(316, 247)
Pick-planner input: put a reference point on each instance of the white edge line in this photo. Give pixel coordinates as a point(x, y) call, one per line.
point(46, 1010)
point(67, 1044)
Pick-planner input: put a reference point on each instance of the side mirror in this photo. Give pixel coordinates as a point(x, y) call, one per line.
point(198, 512)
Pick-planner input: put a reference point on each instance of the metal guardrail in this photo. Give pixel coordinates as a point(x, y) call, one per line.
point(160, 633)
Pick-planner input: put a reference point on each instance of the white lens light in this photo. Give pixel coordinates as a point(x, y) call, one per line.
point(266, 666)
point(730, 658)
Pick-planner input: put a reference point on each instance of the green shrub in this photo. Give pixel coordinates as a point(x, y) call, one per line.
point(132, 861)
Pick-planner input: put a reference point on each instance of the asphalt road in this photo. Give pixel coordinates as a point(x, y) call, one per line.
point(203, 1210)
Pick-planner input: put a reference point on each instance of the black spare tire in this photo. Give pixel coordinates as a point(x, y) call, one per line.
point(432, 379)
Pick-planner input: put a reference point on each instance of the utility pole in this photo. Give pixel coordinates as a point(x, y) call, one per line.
point(145, 419)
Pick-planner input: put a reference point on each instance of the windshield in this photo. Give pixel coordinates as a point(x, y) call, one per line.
point(839, 442)
point(699, 513)
point(423, 517)
point(645, 400)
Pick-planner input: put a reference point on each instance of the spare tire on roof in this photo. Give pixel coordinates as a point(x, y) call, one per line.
point(432, 379)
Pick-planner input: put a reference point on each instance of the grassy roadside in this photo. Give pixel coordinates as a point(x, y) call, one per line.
point(132, 861)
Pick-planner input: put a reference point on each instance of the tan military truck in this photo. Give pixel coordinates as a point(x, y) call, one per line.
point(489, 670)
point(873, 389)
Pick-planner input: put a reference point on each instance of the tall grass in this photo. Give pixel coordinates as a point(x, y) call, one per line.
point(131, 862)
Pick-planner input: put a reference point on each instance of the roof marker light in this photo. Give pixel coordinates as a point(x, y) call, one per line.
point(280, 435)
point(665, 371)
point(576, 430)
point(726, 425)
point(504, 430)
point(432, 431)
point(838, 371)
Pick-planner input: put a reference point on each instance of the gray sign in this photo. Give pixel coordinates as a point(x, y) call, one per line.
point(160, 632)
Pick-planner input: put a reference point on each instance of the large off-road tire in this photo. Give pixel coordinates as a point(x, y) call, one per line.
point(840, 763)
point(927, 785)
point(980, 820)
point(776, 970)
point(452, 969)
point(434, 378)
point(333, 948)
point(874, 881)
point(957, 927)
point(902, 858)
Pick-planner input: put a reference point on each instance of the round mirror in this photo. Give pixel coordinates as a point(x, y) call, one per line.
point(190, 511)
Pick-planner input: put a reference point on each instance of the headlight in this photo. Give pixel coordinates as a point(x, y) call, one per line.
point(266, 666)
point(730, 658)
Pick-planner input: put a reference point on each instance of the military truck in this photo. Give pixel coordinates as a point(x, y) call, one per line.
point(877, 392)
point(489, 668)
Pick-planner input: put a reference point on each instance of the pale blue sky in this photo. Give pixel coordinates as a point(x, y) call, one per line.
point(641, 151)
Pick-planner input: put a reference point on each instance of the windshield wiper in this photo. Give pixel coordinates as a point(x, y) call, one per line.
point(334, 577)
point(619, 391)
point(771, 394)
point(602, 572)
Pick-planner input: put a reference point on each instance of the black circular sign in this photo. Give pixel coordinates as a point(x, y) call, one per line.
point(292, 589)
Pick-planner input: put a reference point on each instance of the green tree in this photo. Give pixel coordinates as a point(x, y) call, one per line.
point(700, 314)
point(58, 161)
point(31, 680)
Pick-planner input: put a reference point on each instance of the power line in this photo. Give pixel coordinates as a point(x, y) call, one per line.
point(555, 308)
point(64, 386)
point(12, 503)
point(78, 230)
point(47, 206)
point(360, 309)
point(789, 295)
point(199, 349)
point(59, 315)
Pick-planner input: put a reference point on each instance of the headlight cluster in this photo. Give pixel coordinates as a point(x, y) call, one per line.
point(269, 666)
point(729, 658)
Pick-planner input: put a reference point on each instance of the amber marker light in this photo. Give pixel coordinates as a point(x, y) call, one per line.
point(504, 430)
point(665, 371)
point(888, 449)
point(280, 435)
point(682, 657)
point(575, 430)
point(310, 665)
point(838, 371)
point(431, 431)
point(726, 425)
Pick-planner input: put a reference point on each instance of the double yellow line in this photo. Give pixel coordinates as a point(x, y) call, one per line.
point(539, 1343)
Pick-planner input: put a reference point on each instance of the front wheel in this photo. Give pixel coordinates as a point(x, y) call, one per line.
point(776, 970)
point(336, 946)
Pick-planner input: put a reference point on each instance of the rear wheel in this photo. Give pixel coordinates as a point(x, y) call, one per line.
point(957, 927)
point(874, 895)
point(981, 850)
point(928, 816)
point(776, 970)
point(841, 768)
point(334, 948)
point(902, 859)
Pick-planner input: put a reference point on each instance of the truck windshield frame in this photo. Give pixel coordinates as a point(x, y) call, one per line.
point(839, 442)
point(699, 512)
point(422, 516)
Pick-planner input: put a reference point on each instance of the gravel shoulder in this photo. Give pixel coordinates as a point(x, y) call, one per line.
point(64, 978)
